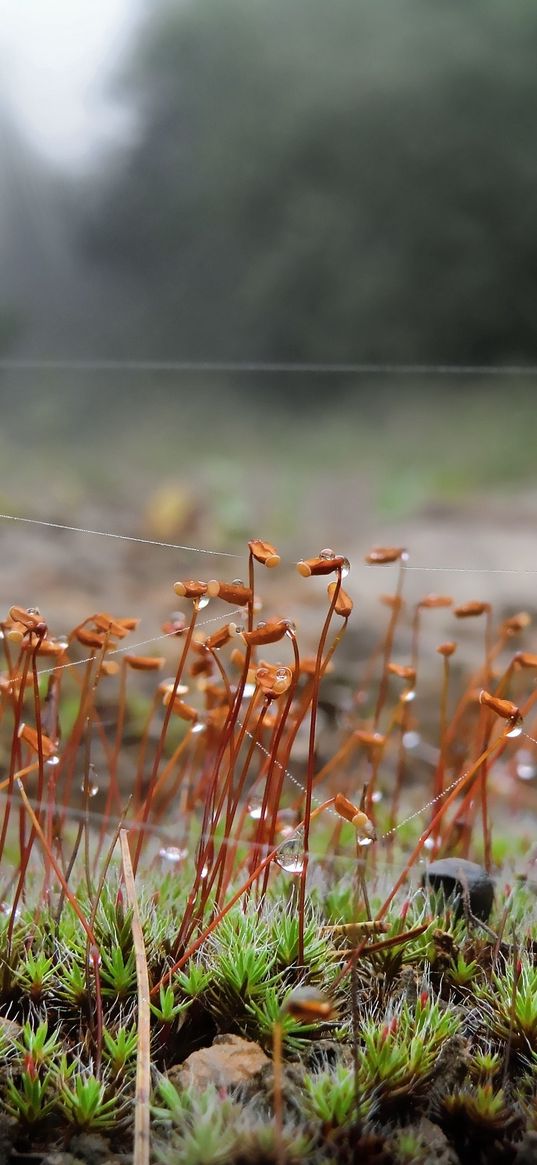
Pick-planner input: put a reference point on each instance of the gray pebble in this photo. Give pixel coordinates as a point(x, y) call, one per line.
point(457, 878)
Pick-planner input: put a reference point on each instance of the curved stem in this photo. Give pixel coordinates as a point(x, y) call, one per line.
point(464, 781)
point(310, 772)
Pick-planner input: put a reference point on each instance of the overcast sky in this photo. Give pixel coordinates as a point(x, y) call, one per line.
point(54, 56)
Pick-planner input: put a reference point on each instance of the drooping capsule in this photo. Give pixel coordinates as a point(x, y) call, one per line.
point(384, 555)
point(264, 553)
point(308, 1004)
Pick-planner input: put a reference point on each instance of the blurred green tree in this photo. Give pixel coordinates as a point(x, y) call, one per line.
point(353, 180)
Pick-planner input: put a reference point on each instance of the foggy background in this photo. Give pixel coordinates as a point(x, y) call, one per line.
point(267, 182)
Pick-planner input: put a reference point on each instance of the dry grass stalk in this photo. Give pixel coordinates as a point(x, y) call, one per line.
point(142, 1145)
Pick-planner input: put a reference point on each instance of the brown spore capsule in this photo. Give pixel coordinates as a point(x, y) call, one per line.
point(471, 609)
point(344, 602)
point(447, 649)
point(190, 589)
point(264, 553)
point(236, 592)
point(307, 1004)
point(270, 632)
point(383, 555)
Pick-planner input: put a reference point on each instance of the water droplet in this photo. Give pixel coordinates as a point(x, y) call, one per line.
point(237, 582)
point(172, 853)
point(285, 824)
point(526, 769)
point(282, 673)
point(52, 761)
point(92, 789)
point(408, 696)
point(203, 601)
point(249, 690)
point(327, 554)
point(6, 909)
point(255, 808)
point(290, 855)
point(377, 796)
point(198, 727)
point(33, 610)
point(169, 684)
point(526, 772)
point(411, 740)
point(432, 842)
point(514, 731)
point(95, 956)
point(346, 568)
point(404, 556)
point(261, 624)
point(1, 633)
point(286, 831)
point(204, 872)
point(364, 841)
point(290, 627)
point(61, 641)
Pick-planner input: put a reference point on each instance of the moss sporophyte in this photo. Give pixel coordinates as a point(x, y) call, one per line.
point(197, 848)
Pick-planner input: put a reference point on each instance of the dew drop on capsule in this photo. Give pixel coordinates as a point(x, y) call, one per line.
point(203, 601)
point(327, 554)
point(408, 696)
point(198, 727)
point(290, 855)
point(53, 760)
point(514, 731)
point(345, 568)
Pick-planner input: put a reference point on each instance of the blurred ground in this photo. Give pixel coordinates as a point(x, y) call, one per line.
point(449, 476)
point(211, 473)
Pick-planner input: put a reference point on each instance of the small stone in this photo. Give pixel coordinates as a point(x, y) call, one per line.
point(10, 1028)
point(92, 1149)
point(435, 1143)
point(458, 877)
point(60, 1158)
point(527, 1149)
point(229, 1061)
point(9, 1132)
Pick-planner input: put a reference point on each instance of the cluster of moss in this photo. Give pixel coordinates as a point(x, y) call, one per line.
point(440, 1027)
point(427, 1044)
